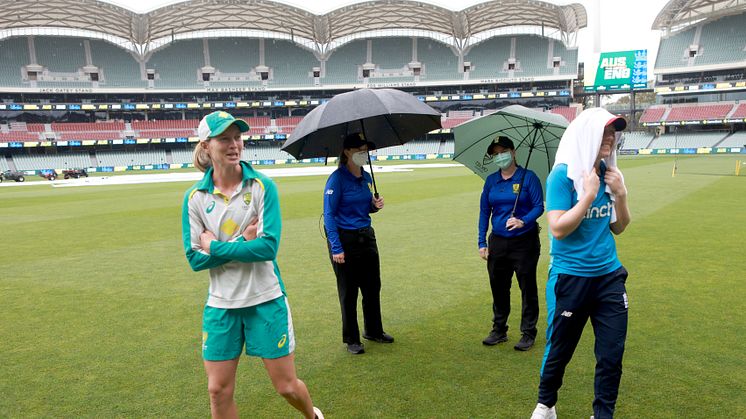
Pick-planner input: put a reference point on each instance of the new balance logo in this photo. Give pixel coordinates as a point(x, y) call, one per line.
point(566, 313)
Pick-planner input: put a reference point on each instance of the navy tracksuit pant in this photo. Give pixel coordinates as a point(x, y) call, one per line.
point(362, 271)
point(518, 254)
point(571, 300)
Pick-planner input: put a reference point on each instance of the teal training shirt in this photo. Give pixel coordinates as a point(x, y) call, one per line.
point(590, 250)
point(242, 273)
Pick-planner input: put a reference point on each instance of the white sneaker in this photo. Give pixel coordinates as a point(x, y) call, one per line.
point(318, 413)
point(544, 412)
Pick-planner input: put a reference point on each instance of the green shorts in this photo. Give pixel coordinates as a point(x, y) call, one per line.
point(266, 330)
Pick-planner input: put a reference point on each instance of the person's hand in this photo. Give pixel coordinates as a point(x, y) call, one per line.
point(339, 258)
point(205, 239)
point(249, 233)
point(613, 178)
point(483, 253)
point(591, 183)
point(514, 223)
point(378, 202)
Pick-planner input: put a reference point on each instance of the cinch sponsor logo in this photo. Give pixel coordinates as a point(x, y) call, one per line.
point(599, 212)
point(210, 207)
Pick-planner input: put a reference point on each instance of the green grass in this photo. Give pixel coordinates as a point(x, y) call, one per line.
point(101, 315)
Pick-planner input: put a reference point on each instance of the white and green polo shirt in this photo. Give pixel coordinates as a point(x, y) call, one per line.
point(242, 273)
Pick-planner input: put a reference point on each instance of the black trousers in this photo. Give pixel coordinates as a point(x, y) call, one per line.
point(571, 300)
point(361, 270)
point(519, 255)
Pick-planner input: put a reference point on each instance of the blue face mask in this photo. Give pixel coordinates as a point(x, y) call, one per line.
point(503, 160)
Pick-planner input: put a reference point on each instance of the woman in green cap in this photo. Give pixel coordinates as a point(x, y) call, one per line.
point(231, 226)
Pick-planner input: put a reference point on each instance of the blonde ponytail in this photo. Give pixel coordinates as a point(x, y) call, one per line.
point(201, 158)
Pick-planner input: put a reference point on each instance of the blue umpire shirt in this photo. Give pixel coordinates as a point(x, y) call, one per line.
point(348, 202)
point(498, 197)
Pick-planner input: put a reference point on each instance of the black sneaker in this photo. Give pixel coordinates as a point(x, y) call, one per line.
point(495, 337)
point(355, 348)
point(525, 343)
point(384, 338)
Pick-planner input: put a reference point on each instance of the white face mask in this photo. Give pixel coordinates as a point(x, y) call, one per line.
point(360, 158)
point(503, 160)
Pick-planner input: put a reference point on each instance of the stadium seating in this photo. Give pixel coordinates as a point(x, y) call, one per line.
point(391, 53)
point(33, 127)
point(674, 50)
point(177, 65)
point(532, 55)
point(15, 136)
point(3, 164)
point(737, 139)
point(117, 66)
point(234, 55)
point(438, 61)
point(264, 152)
point(168, 124)
point(60, 54)
point(653, 114)
point(52, 161)
point(88, 126)
point(489, 58)
point(181, 156)
point(569, 112)
point(128, 158)
point(93, 135)
point(13, 57)
point(569, 58)
point(699, 112)
point(344, 62)
point(291, 65)
point(740, 111)
point(688, 140)
point(635, 140)
point(412, 147)
point(723, 41)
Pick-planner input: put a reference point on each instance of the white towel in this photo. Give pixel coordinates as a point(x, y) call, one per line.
point(579, 148)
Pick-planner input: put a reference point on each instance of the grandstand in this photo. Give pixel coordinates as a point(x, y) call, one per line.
point(125, 94)
point(688, 140)
point(737, 139)
point(636, 140)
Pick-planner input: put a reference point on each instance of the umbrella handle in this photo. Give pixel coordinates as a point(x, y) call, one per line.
point(370, 164)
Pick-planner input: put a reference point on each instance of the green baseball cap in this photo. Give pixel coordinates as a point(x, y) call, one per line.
point(215, 123)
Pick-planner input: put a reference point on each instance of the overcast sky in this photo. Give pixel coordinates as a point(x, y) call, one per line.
point(624, 25)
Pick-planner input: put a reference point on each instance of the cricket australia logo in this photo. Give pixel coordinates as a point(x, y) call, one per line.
point(247, 198)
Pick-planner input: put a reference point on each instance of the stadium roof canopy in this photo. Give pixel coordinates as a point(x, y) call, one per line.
point(194, 16)
point(680, 14)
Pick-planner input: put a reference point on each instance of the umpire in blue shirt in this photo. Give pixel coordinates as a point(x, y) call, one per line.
point(348, 203)
point(514, 245)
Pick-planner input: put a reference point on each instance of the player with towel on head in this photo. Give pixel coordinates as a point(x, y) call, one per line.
point(231, 226)
point(586, 203)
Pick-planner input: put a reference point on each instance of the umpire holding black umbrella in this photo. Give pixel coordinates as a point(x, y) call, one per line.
point(513, 199)
point(348, 203)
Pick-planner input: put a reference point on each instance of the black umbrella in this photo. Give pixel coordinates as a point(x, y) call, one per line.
point(385, 117)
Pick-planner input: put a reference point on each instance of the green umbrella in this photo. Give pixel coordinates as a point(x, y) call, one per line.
point(536, 135)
